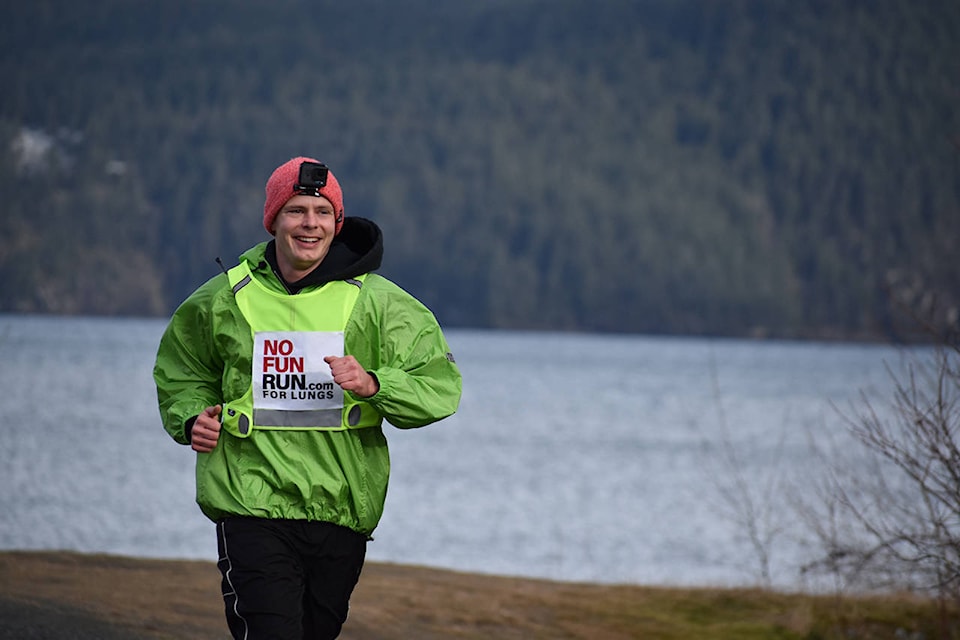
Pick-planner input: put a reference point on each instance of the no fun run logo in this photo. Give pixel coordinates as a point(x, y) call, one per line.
point(285, 374)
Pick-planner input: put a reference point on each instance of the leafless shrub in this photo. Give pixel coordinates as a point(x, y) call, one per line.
point(889, 507)
point(752, 506)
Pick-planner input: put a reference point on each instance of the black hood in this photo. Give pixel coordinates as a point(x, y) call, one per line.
point(356, 250)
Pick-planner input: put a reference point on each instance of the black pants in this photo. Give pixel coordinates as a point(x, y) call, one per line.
point(287, 579)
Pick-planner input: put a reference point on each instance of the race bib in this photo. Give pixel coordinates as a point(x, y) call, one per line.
point(289, 373)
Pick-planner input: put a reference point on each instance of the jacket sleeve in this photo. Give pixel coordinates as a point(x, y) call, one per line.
point(399, 340)
point(188, 369)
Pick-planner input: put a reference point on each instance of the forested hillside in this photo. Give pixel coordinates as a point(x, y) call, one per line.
point(734, 168)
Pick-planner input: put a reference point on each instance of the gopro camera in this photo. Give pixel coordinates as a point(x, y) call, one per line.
point(313, 177)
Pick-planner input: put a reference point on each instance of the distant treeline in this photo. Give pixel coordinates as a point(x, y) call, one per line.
point(730, 168)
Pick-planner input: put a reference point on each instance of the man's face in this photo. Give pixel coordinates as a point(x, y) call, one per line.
point(304, 229)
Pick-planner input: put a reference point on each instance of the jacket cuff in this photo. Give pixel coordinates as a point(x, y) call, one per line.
point(188, 429)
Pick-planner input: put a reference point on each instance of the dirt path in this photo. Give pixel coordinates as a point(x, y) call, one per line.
point(64, 595)
point(52, 596)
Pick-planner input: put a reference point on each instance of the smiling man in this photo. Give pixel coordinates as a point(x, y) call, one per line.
point(279, 374)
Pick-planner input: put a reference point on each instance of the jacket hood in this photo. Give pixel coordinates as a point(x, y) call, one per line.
point(356, 250)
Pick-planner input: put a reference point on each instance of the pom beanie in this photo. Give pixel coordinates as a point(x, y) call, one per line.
point(280, 188)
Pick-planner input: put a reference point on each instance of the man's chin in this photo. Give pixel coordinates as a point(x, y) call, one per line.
point(307, 260)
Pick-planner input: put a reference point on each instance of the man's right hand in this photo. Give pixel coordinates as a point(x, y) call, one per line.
point(206, 430)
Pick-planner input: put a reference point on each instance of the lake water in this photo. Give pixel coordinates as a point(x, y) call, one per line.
point(573, 457)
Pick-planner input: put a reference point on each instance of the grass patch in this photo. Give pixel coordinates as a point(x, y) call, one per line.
point(54, 595)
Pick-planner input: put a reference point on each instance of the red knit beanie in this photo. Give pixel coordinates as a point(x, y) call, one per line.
point(280, 188)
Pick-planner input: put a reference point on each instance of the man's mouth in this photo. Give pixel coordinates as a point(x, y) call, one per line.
point(307, 240)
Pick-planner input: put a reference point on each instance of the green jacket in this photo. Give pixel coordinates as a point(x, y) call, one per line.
point(204, 356)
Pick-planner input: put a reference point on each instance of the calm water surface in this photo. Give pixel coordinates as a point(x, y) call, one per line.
point(574, 457)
